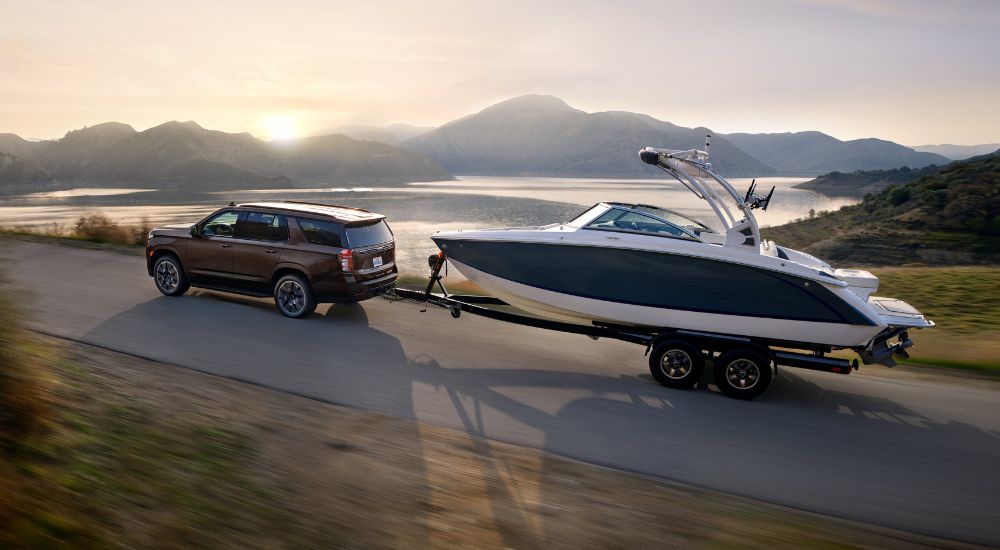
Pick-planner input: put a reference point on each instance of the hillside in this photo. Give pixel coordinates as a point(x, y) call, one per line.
point(804, 153)
point(393, 134)
point(181, 155)
point(16, 145)
point(19, 175)
point(543, 136)
point(862, 182)
point(952, 217)
point(338, 158)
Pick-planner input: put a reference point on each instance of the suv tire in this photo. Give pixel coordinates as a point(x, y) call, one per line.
point(293, 296)
point(168, 275)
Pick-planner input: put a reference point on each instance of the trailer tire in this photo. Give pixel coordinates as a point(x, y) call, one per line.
point(742, 373)
point(676, 364)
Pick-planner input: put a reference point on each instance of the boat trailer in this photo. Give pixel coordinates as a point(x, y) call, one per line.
point(676, 356)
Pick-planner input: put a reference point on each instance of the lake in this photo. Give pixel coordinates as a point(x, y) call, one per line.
point(415, 211)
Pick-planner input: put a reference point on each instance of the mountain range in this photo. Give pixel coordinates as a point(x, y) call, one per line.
point(543, 136)
point(812, 153)
point(185, 155)
point(958, 152)
point(539, 135)
point(532, 135)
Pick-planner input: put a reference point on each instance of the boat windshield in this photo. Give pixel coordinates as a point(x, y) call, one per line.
point(632, 221)
point(675, 218)
point(670, 216)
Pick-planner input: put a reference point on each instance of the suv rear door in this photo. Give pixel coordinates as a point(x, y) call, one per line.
point(257, 245)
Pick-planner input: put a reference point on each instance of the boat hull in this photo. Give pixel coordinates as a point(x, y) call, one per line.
point(584, 284)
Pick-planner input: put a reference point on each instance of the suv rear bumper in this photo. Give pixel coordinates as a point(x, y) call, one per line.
point(361, 290)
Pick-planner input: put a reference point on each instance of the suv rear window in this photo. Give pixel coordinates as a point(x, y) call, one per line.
point(321, 232)
point(359, 236)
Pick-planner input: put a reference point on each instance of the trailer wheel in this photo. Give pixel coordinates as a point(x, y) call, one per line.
point(676, 364)
point(742, 373)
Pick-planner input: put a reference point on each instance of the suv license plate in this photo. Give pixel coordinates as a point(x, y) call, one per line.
point(377, 261)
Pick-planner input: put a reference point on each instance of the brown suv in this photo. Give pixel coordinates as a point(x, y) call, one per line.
point(300, 253)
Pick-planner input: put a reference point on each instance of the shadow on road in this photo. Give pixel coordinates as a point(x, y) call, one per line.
point(837, 452)
point(333, 353)
point(844, 454)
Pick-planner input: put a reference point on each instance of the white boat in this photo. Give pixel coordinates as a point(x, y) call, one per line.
point(620, 264)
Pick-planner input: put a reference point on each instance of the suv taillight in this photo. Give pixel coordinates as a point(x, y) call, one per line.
point(346, 261)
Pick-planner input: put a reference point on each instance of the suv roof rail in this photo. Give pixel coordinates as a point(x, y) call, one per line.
point(328, 205)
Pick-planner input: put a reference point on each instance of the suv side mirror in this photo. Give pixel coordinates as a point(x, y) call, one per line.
point(194, 231)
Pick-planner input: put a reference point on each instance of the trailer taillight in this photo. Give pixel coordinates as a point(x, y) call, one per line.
point(346, 261)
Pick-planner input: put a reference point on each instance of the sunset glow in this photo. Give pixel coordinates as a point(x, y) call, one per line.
point(279, 128)
point(913, 71)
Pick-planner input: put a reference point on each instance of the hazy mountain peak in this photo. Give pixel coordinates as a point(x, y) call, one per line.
point(12, 137)
point(540, 135)
point(958, 152)
point(531, 102)
point(103, 131)
point(174, 124)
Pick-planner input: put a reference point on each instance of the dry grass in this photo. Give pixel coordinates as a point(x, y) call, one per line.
point(965, 304)
point(93, 228)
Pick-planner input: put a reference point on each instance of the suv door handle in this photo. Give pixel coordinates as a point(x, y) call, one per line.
point(270, 250)
point(224, 245)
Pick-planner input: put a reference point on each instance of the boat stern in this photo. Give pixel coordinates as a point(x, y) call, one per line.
point(897, 313)
point(892, 343)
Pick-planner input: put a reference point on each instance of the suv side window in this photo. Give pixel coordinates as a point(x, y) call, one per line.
point(222, 224)
point(322, 232)
point(261, 226)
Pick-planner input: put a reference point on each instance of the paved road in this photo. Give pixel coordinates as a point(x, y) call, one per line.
point(913, 455)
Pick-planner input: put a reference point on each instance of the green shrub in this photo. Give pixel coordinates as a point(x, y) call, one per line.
point(899, 195)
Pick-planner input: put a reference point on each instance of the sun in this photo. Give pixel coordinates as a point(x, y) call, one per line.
point(280, 127)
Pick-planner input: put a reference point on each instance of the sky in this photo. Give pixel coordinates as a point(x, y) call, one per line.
point(912, 71)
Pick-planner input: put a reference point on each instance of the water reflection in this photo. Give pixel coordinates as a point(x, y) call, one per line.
point(415, 211)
